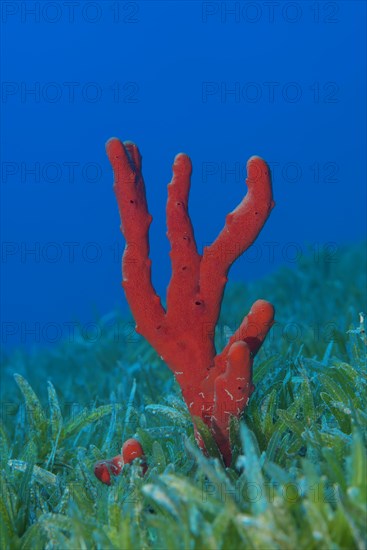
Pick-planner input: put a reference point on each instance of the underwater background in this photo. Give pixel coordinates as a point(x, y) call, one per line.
point(220, 81)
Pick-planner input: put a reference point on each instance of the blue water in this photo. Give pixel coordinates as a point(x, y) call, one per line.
point(220, 81)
